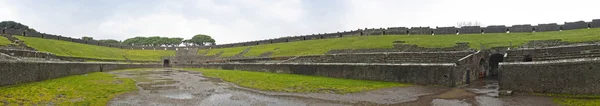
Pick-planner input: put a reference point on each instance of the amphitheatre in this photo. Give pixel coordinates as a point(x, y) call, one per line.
point(543, 64)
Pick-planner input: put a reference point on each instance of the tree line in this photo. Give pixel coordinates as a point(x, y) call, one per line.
point(15, 25)
point(197, 40)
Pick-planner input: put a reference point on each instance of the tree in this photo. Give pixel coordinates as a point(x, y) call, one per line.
point(201, 40)
point(15, 25)
point(469, 23)
point(175, 41)
point(153, 41)
point(87, 38)
point(111, 41)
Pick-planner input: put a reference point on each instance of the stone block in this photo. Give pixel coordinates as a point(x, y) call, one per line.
point(445, 30)
point(495, 29)
point(521, 28)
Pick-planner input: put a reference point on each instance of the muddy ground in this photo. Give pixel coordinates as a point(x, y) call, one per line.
point(165, 87)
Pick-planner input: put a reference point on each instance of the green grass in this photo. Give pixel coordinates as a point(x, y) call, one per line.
point(64, 48)
point(92, 89)
point(4, 41)
point(321, 46)
point(294, 83)
point(574, 100)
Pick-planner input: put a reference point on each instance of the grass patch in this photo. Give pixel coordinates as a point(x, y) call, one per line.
point(4, 41)
point(573, 100)
point(321, 46)
point(295, 83)
point(64, 48)
point(92, 89)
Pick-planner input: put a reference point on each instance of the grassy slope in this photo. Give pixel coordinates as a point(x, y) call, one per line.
point(64, 48)
point(294, 83)
point(321, 46)
point(94, 89)
point(4, 41)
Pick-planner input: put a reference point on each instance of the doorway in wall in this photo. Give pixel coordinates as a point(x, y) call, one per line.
point(166, 63)
point(494, 60)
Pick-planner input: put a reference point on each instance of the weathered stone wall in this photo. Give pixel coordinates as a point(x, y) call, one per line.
point(470, 30)
point(423, 74)
point(547, 27)
point(445, 30)
point(521, 28)
point(26, 53)
point(576, 76)
point(554, 53)
point(392, 57)
point(17, 72)
point(495, 29)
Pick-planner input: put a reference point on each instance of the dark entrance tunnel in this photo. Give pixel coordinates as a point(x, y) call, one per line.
point(166, 63)
point(495, 59)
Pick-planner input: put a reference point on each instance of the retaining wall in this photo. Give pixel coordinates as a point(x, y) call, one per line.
point(423, 74)
point(17, 72)
point(576, 76)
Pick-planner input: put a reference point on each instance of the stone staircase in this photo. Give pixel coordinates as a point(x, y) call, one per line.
point(241, 54)
point(18, 44)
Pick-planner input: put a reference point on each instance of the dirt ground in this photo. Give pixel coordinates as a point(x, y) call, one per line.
point(166, 87)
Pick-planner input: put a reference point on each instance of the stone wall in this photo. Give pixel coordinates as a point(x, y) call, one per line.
point(17, 72)
point(554, 53)
point(391, 57)
point(422, 74)
point(574, 76)
point(26, 53)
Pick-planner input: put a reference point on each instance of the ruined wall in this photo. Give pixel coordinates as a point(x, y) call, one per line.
point(393, 57)
point(554, 53)
point(17, 72)
point(422, 74)
point(26, 53)
point(571, 77)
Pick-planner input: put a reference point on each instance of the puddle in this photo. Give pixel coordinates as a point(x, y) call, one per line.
point(443, 102)
point(180, 96)
point(179, 87)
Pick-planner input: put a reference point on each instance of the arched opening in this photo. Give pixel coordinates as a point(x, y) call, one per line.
point(494, 60)
point(407, 32)
point(589, 25)
point(483, 72)
point(166, 63)
point(561, 28)
point(527, 58)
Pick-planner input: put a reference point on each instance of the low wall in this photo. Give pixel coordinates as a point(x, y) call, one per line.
point(18, 72)
point(574, 76)
point(422, 74)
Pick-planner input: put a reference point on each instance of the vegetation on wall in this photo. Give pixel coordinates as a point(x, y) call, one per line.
point(489, 40)
point(4, 41)
point(15, 25)
point(65, 48)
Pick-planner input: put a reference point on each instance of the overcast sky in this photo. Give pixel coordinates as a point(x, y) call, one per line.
point(229, 21)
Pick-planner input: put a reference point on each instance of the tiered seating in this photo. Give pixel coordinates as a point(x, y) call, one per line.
point(398, 57)
point(589, 51)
